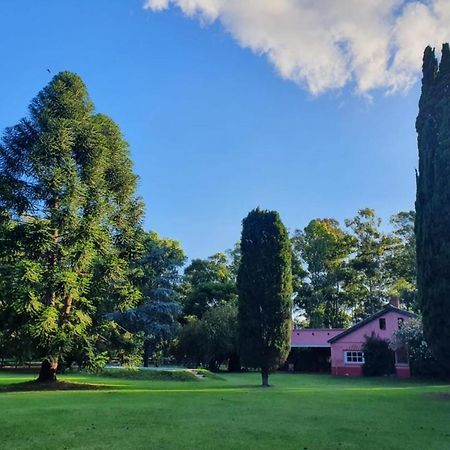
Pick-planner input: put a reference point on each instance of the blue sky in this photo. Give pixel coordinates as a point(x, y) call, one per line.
point(214, 131)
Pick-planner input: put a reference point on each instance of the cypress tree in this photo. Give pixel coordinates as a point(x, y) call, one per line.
point(265, 292)
point(68, 191)
point(432, 224)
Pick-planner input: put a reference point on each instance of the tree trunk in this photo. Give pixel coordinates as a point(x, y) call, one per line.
point(68, 304)
point(146, 353)
point(234, 363)
point(265, 377)
point(47, 373)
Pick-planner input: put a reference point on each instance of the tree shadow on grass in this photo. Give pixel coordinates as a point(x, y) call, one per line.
point(439, 395)
point(29, 386)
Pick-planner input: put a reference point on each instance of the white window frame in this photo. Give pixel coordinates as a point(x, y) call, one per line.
point(351, 355)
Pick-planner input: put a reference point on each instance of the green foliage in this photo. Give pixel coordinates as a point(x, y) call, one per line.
point(160, 263)
point(212, 269)
point(265, 292)
point(378, 357)
point(220, 331)
point(401, 261)
point(342, 275)
point(206, 284)
point(70, 219)
point(124, 346)
point(433, 205)
point(153, 324)
point(212, 340)
point(205, 296)
point(421, 360)
point(370, 281)
point(155, 319)
point(234, 256)
point(209, 336)
point(323, 249)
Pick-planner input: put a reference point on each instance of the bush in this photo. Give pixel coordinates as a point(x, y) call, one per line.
point(378, 357)
point(421, 361)
point(212, 340)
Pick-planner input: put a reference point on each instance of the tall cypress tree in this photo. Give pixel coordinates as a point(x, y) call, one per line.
point(432, 224)
point(265, 292)
point(68, 197)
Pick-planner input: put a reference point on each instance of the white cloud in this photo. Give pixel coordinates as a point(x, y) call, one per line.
point(327, 44)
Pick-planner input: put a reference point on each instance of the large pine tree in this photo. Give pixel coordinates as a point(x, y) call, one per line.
point(433, 203)
point(70, 221)
point(265, 292)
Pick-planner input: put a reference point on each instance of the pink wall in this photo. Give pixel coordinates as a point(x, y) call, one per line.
point(354, 341)
point(313, 337)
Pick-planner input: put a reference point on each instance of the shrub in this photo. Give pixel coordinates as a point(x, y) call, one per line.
point(421, 361)
point(378, 357)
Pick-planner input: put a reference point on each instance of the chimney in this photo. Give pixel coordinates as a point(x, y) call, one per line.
point(394, 301)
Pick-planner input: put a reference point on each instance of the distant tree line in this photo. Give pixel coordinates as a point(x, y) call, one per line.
point(339, 276)
point(344, 274)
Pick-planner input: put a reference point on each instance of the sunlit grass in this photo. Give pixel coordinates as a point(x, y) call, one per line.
point(299, 411)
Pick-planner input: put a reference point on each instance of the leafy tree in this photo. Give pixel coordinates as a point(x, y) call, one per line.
point(220, 330)
point(68, 195)
point(370, 279)
point(343, 275)
point(160, 263)
point(323, 249)
point(265, 292)
point(210, 270)
point(158, 278)
point(212, 340)
point(155, 320)
point(234, 256)
point(191, 348)
point(433, 205)
point(206, 296)
point(401, 261)
point(207, 283)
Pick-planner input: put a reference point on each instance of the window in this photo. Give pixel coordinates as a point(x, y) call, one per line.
point(400, 321)
point(382, 322)
point(352, 357)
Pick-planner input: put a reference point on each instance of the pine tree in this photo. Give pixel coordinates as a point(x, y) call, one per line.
point(432, 224)
point(68, 194)
point(265, 292)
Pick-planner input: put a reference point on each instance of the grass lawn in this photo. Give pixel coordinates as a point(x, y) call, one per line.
point(300, 412)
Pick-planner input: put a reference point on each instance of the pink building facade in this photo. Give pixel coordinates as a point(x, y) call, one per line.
point(314, 337)
point(343, 347)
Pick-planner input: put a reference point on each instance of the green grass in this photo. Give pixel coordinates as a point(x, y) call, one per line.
point(300, 412)
point(145, 374)
point(160, 375)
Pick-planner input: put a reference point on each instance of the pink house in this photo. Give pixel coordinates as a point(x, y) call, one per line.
point(339, 351)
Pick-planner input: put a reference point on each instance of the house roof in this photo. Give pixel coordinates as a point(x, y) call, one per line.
point(388, 308)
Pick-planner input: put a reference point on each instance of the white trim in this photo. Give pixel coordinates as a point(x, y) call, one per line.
point(359, 354)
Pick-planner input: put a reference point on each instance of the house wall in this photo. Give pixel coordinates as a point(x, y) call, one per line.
point(355, 340)
point(313, 337)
